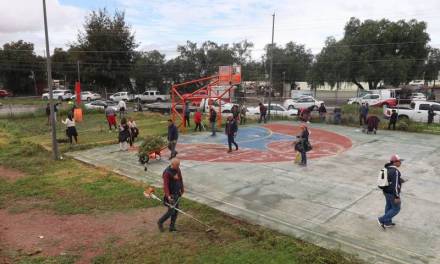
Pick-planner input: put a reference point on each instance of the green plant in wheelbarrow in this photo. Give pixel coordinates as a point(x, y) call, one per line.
point(151, 147)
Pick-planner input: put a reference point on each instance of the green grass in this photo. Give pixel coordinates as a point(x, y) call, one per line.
point(93, 130)
point(70, 187)
point(23, 101)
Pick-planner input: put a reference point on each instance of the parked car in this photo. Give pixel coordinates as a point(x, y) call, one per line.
point(5, 93)
point(275, 109)
point(226, 107)
point(418, 97)
point(121, 96)
point(151, 96)
point(87, 96)
point(100, 105)
point(301, 102)
point(61, 95)
point(374, 100)
point(417, 111)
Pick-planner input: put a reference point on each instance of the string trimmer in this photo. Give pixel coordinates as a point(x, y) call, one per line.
point(149, 194)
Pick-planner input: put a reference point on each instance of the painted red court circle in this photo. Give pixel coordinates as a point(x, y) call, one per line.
point(325, 143)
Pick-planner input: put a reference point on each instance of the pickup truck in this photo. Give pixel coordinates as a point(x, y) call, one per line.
point(374, 100)
point(151, 96)
point(417, 111)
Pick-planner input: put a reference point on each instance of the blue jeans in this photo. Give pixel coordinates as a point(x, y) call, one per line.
point(391, 209)
point(213, 128)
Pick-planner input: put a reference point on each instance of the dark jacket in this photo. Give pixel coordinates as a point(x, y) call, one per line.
point(363, 110)
point(212, 116)
point(231, 127)
point(171, 186)
point(393, 117)
point(263, 110)
point(395, 182)
point(322, 109)
point(303, 141)
point(173, 133)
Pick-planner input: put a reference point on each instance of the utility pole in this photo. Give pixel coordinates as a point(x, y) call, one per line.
point(79, 75)
point(49, 84)
point(271, 66)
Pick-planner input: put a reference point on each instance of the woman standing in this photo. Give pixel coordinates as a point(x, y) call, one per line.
point(134, 131)
point(71, 129)
point(124, 134)
point(303, 144)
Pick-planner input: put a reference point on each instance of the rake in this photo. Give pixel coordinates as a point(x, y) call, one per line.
point(149, 194)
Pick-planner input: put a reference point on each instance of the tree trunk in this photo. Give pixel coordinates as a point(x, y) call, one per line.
point(370, 85)
point(358, 84)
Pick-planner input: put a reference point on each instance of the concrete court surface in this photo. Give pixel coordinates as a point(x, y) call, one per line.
point(334, 202)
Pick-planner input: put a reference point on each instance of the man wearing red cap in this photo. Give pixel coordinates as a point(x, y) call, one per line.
point(392, 192)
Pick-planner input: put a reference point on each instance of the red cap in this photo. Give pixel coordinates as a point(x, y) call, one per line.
point(395, 158)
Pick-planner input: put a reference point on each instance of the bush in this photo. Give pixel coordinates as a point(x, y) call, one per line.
point(150, 144)
point(402, 125)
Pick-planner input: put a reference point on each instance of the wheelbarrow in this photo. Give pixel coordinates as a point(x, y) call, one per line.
point(152, 155)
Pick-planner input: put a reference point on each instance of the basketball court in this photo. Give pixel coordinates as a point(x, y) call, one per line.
point(334, 202)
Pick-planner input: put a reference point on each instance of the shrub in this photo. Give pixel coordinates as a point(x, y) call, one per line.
point(150, 144)
point(402, 125)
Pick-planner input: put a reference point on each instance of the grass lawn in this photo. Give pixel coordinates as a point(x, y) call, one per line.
point(70, 188)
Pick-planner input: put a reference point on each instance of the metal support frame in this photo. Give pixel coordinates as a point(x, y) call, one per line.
point(178, 99)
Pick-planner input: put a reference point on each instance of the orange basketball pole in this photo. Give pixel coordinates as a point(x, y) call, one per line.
point(228, 75)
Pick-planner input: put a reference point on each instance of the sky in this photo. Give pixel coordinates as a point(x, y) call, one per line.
point(164, 24)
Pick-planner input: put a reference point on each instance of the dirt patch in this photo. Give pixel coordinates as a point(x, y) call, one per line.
point(10, 174)
point(83, 235)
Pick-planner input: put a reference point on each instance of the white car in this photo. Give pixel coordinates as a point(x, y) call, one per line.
point(58, 95)
point(417, 111)
point(275, 109)
point(88, 96)
point(121, 96)
point(151, 96)
point(302, 102)
point(100, 105)
point(418, 97)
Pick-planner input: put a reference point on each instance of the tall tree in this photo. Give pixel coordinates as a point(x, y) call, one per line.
point(106, 50)
point(291, 63)
point(17, 63)
point(375, 51)
point(432, 68)
point(148, 70)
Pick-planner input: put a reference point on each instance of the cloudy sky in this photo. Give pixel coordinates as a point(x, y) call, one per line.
point(163, 24)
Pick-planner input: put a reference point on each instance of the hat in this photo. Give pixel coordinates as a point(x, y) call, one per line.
point(395, 158)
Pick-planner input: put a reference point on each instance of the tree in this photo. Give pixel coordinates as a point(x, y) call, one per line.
point(148, 70)
point(374, 51)
point(17, 62)
point(432, 67)
point(106, 50)
point(290, 63)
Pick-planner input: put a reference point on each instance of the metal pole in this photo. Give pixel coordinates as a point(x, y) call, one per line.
point(49, 84)
point(271, 66)
point(79, 75)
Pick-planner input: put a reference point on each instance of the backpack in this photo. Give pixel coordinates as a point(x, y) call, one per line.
point(382, 179)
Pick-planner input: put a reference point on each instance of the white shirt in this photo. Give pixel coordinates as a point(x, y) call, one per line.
point(131, 124)
point(68, 122)
point(122, 104)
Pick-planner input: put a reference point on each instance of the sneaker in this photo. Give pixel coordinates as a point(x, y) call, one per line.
point(229, 151)
point(236, 148)
point(160, 226)
point(390, 225)
point(380, 224)
point(173, 229)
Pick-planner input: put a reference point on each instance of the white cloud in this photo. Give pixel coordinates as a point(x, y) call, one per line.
point(23, 19)
point(165, 24)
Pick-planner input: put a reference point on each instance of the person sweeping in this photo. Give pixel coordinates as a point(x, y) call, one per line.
point(173, 190)
point(70, 128)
